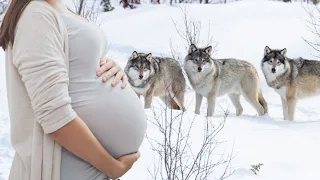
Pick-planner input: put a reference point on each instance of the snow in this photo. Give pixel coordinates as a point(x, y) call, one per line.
point(6, 151)
point(288, 150)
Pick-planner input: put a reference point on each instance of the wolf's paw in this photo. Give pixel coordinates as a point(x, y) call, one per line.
point(288, 119)
point(210, 114)
point(184, 109)
point(261, 112)
point(239, 112)
point(197, 112)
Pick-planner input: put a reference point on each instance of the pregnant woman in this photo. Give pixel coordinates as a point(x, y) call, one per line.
point(66, 124)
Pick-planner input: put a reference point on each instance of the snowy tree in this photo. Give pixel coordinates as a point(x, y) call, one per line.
point(3, 6)
point(126, 4)
point(90, 9)
point(314, 25)
point(87, 9)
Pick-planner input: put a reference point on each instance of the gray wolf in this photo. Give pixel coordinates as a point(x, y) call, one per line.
point(212, 78)
point(156, 76)
point(292, 79)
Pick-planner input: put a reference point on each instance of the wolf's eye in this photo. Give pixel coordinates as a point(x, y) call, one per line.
point(196, 60)
point(136, 67)
point(278, 62)
point(270, 61)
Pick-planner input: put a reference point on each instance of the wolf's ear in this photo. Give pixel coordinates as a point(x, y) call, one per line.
point(149, 57)
point(192, 48)
point(267, 50)
point(208, 50)
point(283, 52)
point(134, 55)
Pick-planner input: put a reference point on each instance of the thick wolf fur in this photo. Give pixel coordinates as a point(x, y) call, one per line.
point(155, 76)
point(212, 78)
point(292, 79)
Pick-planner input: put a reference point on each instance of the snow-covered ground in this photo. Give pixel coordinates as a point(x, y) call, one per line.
point(288, 150)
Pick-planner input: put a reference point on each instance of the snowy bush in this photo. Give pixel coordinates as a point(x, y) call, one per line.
point(314, 23)
point(87, 9)
point(256, 168)
point(190, 30)
point(182, 151)
point(3, 6)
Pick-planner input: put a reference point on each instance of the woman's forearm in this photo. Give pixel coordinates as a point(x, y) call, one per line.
point(77, 138)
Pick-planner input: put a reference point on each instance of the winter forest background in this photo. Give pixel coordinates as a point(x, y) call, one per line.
point(86, 7)
point(247, 147)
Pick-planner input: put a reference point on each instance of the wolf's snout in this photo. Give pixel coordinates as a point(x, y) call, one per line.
point(199, 69)
point(273, 70)
point(140, 76)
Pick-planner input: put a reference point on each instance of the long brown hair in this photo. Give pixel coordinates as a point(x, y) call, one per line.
point(10, 21)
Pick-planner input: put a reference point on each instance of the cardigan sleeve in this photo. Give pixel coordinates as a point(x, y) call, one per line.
point(38, 55)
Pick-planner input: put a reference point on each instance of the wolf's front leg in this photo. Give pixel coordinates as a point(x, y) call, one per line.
point(291, 108)
point(199, 98)
point(284, 108)
point(211, 105)
point(148, 98)
point(212, 98)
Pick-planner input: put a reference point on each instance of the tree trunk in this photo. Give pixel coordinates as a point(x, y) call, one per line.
point(80, 7)
point(127, 4)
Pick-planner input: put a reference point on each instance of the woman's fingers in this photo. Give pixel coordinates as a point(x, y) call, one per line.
point(103, 61)
point(111, 72)
point(110, 68)
point(130, 158)
point(137, 155)
point(105, 67)
point(118, 77)
point(134, 157)
point(124, 81)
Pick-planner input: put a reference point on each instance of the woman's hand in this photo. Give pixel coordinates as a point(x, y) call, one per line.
point(125, 164)
point(110, 68)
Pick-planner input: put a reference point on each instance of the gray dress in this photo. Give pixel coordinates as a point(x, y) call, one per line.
point(114, 115)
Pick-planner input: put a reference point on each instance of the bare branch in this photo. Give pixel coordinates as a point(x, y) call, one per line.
point(87, 9)
point(178, 159)
point(313, 23)
point(190, 31)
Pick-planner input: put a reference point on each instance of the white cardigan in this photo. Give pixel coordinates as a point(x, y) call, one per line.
point(37, 89)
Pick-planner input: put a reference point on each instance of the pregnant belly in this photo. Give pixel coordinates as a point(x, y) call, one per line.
point(114, 115)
